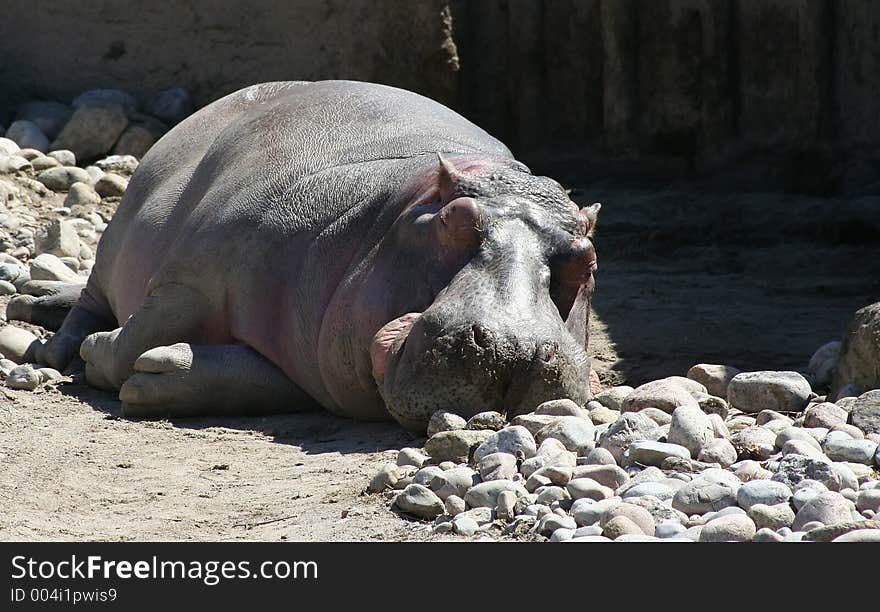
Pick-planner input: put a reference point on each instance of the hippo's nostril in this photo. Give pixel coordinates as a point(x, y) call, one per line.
point(547, 351)
point(482, 337)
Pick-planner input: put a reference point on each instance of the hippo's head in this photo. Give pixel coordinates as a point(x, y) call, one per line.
point(490, 294)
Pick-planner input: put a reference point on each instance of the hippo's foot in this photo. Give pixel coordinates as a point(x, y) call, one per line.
point(62, 350)
point(98, 352)
point(186, 380)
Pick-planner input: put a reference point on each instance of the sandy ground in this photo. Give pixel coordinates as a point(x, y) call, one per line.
point(756, 281)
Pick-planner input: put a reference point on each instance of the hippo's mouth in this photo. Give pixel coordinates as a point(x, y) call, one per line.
point(388, 341)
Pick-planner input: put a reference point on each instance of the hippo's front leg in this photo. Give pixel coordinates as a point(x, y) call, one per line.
point(186, 380)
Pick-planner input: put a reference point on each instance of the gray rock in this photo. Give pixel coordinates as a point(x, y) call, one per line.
point(665, 394)
point(659, 490)
point(795, 468)
point(551, 522)
point(690, 428)
point(599, 456)
point(657, 415)
point(868, 499)
point(650, 452)
point(10, 164)
point(562, 407)
point(443, 420)
point(754, 443)
point(7, 288)
point(600, 415)
point(575, 433)
point(558, 475)
point(859, 355)
point(613, 397)
point(44, 162)
point(48, 267)
point(767, 492)
point(853, 451)
point(419, 501)
point(410, 456)
point(714, 377)
point(805, 491)
point(17, 344)
point(865, 413)
point(824, 414)
point(106, 98)
point(550, 494)
point(508, 440)
point(456, 481)
point(729, 528)
point(65, 157)
point(703, 495)
point(795, 433)
point(58, 238)
point(24, 377)
point(62, 177)
point(119, 164)
point(669, 529)
point(92, 130)
point(497, 466)
point(589, 512)
point(486, 420)
point(28, 135)
point(860, 535)
point(587, 488)
point(626, 430)
point(464, 525)
point(822, 364)
point(711, 404)
point(50, 117)
point(771, 517)
point(135, 140)
point(720, 451)
point(425, 475)
point(454, 445)
point(827, 508)
point(111, 185)
point(387, 477)
point(485, 494)
point(768, 390)
point(8, 147)
point(611, 476)
point(534, 423)
point(171, 105)
point(638, 515)
point(619, 526)
point(505, 505)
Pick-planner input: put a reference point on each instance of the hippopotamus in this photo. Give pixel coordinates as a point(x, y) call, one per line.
point(342, 244)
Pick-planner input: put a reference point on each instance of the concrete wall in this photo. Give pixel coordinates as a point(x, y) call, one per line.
point(782, 93)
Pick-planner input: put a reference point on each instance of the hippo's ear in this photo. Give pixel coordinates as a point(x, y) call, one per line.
point(589, 215)
point(448, 176)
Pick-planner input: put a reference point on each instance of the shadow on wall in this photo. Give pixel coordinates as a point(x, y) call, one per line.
point(777, 93)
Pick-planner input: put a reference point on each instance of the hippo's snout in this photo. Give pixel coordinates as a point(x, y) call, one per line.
point(470, 367)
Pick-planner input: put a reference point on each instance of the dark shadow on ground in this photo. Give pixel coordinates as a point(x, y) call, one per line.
point(753, 280)
point(315, 432)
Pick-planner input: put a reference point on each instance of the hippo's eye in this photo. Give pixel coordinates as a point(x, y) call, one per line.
point(569, 271)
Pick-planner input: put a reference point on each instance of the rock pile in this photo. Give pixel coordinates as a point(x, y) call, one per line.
point(98, 122)
point(719, 455)
point(52, 215)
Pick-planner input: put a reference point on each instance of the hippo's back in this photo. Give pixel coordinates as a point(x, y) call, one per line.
point(228, 165)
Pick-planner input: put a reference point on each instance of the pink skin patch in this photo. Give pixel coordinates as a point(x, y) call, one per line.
point(385, 339)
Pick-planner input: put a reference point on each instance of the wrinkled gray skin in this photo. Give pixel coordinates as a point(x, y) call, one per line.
point(265, 240)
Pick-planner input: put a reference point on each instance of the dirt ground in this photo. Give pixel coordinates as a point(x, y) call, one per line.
point(757, 281)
